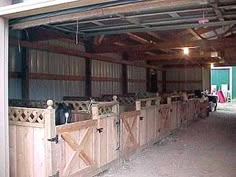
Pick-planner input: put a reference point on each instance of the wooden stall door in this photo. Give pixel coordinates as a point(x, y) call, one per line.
point(174, 121)
point(76, 149)
point(151, 124)
point(165, 119)
point(143, 127)
point(130, 131)
point(107, 145)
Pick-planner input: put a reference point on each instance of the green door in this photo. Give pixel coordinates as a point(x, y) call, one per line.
point(220, 76)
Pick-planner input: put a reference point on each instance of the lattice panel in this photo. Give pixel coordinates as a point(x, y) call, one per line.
point(126, 100)
point(103, 110)
point(80, 106)
point(27, 115)
point(123, 100)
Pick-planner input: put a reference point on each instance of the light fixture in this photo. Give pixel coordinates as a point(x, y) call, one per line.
point(186, 50)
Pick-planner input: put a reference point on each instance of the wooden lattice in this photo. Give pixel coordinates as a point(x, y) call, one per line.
point(79, 106)
point(104, 110)
point(31, 115)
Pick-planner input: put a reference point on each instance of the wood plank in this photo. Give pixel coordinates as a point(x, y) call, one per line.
point(20, 142)
point(39, 152)
point(75, 126)
point(29, 151)
point(112, 139)
point(103, 142)
point(125, 115)
point(12, 149)
point(143, 128)
point(26, 124)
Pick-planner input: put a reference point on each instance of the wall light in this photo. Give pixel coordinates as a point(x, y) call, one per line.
point(186, 50)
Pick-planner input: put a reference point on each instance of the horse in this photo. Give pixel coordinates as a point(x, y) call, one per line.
point(63, 113)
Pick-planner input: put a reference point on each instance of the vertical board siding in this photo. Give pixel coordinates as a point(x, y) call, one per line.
point(101, 70)
point(183, 74)
point(15, 84)
point(136, 73)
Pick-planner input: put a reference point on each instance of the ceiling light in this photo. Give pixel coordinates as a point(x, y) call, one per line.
point(186, 50)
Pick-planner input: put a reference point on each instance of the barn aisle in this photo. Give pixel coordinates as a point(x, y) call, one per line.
point(206, 149)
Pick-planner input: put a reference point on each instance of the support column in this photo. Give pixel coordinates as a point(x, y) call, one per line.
point(88, 67)
point(163, 81)
point(25, 70)
point(4, 122)
point(125, 75)
point(148, 79)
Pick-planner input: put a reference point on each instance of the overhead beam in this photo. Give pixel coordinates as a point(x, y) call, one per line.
point(206, 44)
point(156, 27)
point(138, 38)
point(134, 7)
point(192, 56)
point(214, 4)
point(61, 50)
point(195, 34)
point(33, 8)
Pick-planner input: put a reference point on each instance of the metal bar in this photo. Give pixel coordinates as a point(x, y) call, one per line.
point(164, 28)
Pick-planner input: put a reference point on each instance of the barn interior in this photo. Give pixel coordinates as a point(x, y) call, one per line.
point(77, 50)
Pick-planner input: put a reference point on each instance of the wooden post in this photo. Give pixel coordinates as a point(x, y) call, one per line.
point(50, 147)
point(148, 79)
point(168, 100)
point(88, 68)
point(138, 105)
point(163, 81)
point(115, 108)
point(25, 70)
point(125, 75)
point(94, 111)
point(4, 121)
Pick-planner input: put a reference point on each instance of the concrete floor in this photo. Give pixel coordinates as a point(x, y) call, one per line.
point(206, 148)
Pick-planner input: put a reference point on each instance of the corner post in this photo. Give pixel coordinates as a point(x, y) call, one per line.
point(50, 147)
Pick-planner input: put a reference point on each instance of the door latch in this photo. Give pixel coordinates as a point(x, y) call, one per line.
point(54, 139)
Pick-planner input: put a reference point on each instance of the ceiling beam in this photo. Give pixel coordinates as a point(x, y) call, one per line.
point(214, 4)
point(138, 38)
point(156, 27)
point(191, 56)
point(73, 52)
point(195, 34)
point(134, 7)
point(206, 44)
point(33, 8)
